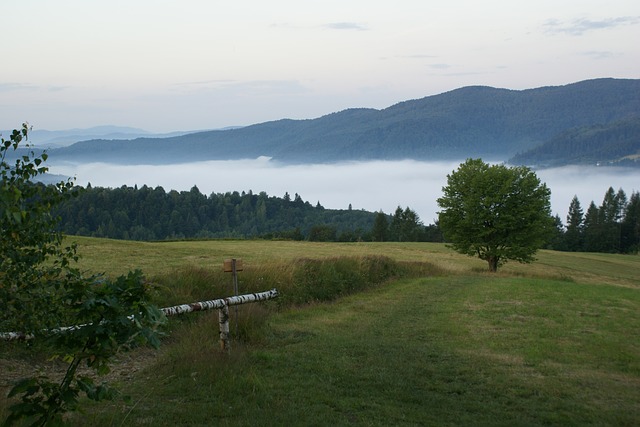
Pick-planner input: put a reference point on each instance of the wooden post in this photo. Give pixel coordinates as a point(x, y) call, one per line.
point(234, 268)
point(223, 320)
point(235, 290)
point(234, 265)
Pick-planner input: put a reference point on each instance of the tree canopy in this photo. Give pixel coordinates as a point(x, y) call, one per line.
point(495, 212)
point(612, 227)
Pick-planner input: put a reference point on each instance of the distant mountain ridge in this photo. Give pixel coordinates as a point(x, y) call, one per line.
point(474, 121)
point(61, 138)
point(612, 144)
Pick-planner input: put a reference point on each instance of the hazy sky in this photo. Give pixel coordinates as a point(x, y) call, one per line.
point(202, 64)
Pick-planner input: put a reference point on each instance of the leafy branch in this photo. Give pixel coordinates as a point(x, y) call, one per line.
point(42, 289)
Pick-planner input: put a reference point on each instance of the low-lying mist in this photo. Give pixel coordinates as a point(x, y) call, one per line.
point(373, 186)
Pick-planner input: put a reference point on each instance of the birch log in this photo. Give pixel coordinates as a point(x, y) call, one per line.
point(172, 311)
point(219, 303)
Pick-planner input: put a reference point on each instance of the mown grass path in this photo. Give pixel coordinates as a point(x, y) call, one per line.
point(464, 351)
point(451, 350)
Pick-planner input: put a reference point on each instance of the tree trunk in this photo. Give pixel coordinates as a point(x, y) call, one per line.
point(493, 263)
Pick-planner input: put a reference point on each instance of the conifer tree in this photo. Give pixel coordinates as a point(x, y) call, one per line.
point(630, 227)
point(592, 229)
point(380, 231)
point(575, 226)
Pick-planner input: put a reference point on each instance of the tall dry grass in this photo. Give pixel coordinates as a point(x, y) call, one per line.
point(301, 281)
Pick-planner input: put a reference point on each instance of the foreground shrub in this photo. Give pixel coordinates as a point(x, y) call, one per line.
point(43, 292)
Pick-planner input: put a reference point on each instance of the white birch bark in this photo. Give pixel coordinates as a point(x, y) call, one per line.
point(222, 303)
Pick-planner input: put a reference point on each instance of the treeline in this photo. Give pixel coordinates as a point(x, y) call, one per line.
point(145, 213)
point(612, 227)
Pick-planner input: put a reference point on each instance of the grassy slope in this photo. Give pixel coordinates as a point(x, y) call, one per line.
point(457, 350)
point(159, 258)
point(468, 350)
point(554, 342)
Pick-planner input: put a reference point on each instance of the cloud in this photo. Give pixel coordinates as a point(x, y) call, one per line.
point(375, 185)
point(372, 186)
point(13, 87)
point(331, 26)
point(206, 82)
point(345, 26)
point(419, 56)
point(465, 73)
point(578, 27)
point(246, 88)
point(599, 54)
point(440, 66)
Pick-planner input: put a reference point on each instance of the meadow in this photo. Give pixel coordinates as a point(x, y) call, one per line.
point(375, 334)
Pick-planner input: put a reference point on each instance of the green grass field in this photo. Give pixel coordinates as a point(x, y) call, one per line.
point(556, 342)
point(160, 258)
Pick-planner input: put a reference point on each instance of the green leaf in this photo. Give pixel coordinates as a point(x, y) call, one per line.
point(28, 386)
point(17, 217)
point(49, 291)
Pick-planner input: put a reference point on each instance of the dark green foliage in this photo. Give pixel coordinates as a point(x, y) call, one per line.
point(43, 293)
point(592, 229)
point(406, 226)
point(616, 143)
point(495, 212)
point(613, 227)
point(471, 121)
point(433, 233)
point(557, 239)
point(630, 227)
point(575, 226)
point(153, 214)
point(328, 279)
point(113, 316)
point(322, 233)
point(34, 266)
point(380, 231)
point(610, 214)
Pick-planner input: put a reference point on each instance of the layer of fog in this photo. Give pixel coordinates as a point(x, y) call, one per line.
point(372, 186)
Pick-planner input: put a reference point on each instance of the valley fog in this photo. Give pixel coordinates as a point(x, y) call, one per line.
point(373, 186)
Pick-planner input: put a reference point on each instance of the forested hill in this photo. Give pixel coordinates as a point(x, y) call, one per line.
point(472, 121)
point(616, 143)
point(152, 214)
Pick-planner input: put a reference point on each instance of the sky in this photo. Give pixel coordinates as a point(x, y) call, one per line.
point(169, 65)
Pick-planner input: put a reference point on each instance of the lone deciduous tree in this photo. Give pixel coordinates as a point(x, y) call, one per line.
point(495, 212)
